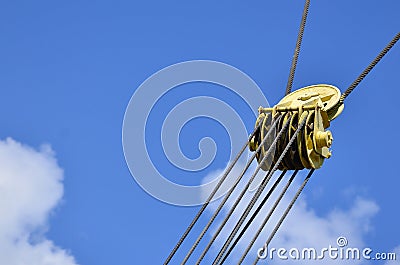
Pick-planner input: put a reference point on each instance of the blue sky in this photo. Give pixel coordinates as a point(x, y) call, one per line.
point(68, 70)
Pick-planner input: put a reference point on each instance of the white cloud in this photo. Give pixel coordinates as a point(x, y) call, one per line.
point(30, 188)
point(303, 228)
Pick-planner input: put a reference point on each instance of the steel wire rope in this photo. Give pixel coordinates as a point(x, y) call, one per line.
point(258, 193)
point(277, 201)
point(365, 72)
point(203, 207)
point(286, 212)
point(369, 67)
point(226, 197)
point(256, 212)
point(298, 46)
point(238, 199)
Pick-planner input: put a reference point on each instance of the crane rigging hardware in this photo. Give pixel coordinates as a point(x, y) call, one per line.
point(313, 103)
point(292, 135)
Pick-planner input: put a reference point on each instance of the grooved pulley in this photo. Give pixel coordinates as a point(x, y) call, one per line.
point(312, 103)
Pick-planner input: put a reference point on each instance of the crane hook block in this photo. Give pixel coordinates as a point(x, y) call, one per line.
point(317, 105)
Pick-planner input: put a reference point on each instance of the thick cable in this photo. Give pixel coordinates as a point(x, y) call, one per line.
point(254, 215)
point(286, 213)
point(298, 46)
point(203, 207)
point(369, 68)
point(238, 199)
point(203, 232)
point(266, 219)
point(257, 194)
point(364, 74)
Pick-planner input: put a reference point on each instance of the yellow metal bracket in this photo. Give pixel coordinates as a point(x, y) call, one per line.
point(315, 104)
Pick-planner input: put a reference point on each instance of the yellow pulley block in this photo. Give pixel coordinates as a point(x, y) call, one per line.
point(265, 131)
point(327, 95)
point(317, 104)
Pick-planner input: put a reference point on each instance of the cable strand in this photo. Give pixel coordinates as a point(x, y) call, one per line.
point(298, 46)
point(254, 215)
point(259, 191)
point(238, 199)
point(203, 232)
point(196, 218)
point(286, 213)
point(369, 68)
point(268, 217)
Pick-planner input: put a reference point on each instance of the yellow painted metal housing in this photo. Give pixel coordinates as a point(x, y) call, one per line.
point(316, 105)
